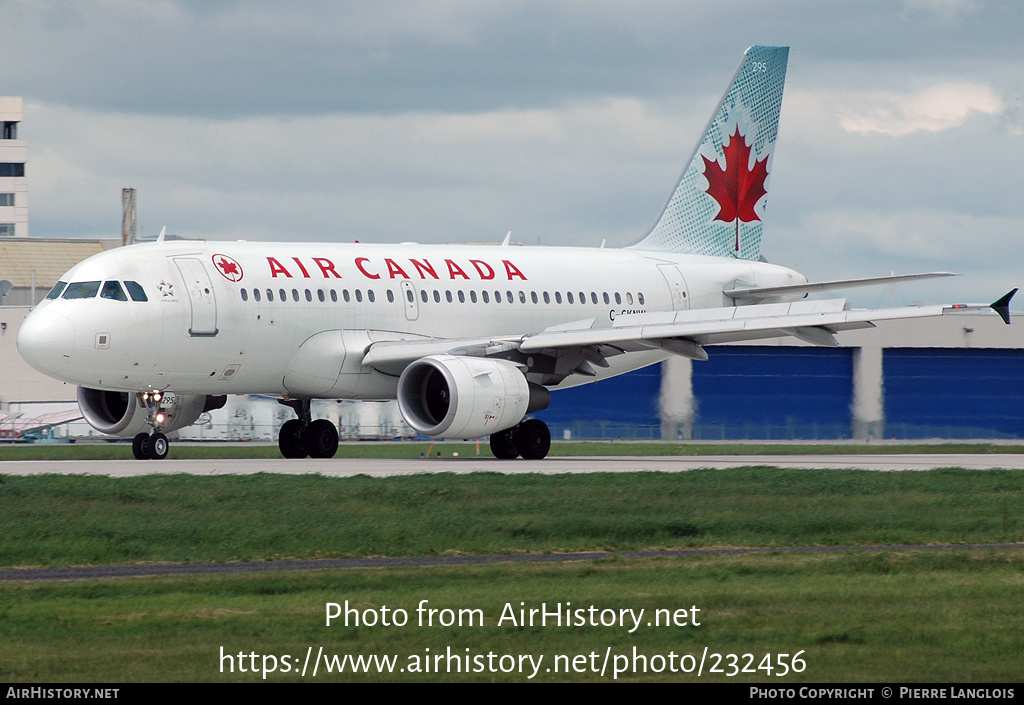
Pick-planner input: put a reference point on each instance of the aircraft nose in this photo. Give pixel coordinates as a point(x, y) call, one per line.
point(46, 340)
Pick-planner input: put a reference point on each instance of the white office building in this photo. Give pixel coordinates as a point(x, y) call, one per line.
point(13, 184)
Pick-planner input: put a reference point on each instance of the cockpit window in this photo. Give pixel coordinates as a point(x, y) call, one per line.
point(113, 290)
point(81, 290)
point(136, 291)
point(57, 290)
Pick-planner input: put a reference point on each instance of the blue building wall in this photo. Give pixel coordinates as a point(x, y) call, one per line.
point(953, 393)
point(627, 406)
point(773, 393)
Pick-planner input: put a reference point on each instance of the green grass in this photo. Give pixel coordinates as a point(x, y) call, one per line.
point(888, 617)
point(413, 449)
point(57, 520)
point(896, 616)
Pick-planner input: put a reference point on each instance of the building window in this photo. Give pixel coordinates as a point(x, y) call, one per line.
point(10, 130)
point(6, 199)
point(6, 229)
point(12, 168)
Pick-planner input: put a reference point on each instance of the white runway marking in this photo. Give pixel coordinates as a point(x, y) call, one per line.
point(376, 467)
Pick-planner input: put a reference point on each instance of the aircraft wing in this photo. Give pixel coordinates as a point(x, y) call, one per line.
point(14, 426)
point(572, 348)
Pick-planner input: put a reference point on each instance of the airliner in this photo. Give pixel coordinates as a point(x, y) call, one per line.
point(470, 339)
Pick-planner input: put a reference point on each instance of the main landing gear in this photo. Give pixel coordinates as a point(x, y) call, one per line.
point(304, 437)
point(531, 439)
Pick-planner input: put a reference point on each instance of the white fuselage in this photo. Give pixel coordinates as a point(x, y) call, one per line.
point(229, 317)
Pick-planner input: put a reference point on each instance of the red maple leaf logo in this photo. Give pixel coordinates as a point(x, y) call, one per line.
point(737, 189)
point(229, 268)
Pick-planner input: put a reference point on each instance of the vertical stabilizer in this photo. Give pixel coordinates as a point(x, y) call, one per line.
point(718, 205)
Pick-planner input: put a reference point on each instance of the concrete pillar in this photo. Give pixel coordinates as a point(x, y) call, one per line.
point(677, 404)
point(868, 409)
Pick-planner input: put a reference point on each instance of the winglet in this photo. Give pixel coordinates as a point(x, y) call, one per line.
point(163, 231)
point(1002, 306)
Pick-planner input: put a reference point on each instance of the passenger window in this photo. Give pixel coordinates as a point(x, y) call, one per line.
point(270, 294)
point(583, 298)
point(344, 294)
point(370, 296)
point(568, 297)
point(256, 294)
point(593, 296)
point(245, 295)
point(295, 295)
point(462, 297)
point(136, 291)
point(547, 299)
point(334, 296)
point(618, 299)
point(508, 296)
point(640, 298)
point(487, 297)
point(391, 296)
point(359, 295)
point(629, 298)
point(81, 290)
point(437, 296)
point(606, 299)
point(472, 296)
point(558, 297)
point(56, 291)
point(309, 296)
point(423, 295)
point(284, 295)
point(113, 291)
point(522, 297)
point(320, 295)
point(448, 295)
point(533, 296)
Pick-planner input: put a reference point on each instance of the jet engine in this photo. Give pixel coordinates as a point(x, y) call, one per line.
point(447, 396)
point(126, 413)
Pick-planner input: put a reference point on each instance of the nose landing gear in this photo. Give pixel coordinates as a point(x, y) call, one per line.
point(147, 446)
point(154, 445)
point(304, 437)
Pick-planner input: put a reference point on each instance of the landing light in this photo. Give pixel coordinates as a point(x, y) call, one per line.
point(161, 417)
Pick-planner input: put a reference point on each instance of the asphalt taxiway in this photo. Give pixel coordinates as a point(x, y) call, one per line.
point(378, 467)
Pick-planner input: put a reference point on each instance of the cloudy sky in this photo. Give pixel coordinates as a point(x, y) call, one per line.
point(566, 122)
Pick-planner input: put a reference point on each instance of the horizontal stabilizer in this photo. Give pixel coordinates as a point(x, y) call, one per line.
point(763, 292)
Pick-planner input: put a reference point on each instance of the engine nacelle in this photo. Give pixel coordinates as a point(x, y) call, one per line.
point(447, 396)
point(125, 414)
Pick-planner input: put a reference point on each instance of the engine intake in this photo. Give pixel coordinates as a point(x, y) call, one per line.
point(447, 396)
point(123, 414)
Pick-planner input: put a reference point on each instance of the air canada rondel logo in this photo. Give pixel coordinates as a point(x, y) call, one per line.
point(229, 268)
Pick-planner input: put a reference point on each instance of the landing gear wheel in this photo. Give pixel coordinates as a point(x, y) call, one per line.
point(533, 439)
point(140, 446)
point(290, 440)
point(320, 439)
point(158, 446)
point(503, 445)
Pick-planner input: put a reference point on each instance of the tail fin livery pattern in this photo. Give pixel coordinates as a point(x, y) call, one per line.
point(718, 205)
